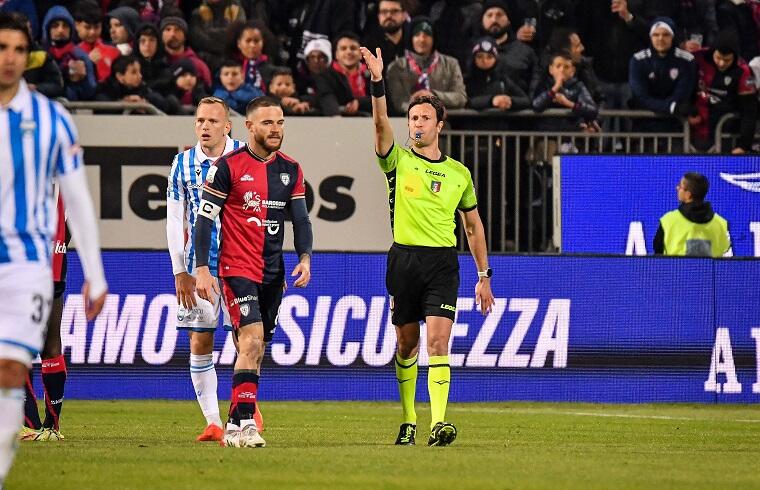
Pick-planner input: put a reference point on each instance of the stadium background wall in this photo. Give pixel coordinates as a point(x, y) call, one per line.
point(564, 328)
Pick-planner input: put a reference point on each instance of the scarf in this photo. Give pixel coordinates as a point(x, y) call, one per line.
point(253, 73)
point(423, 76)
point(357, 79)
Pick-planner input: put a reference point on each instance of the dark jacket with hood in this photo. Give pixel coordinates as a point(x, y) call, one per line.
point(696, 212)
point(113, 90)
point(585, 109)
point(155, 71)
point(42, 71)
point(584, 71)
point(483, 85)
point(208, 25)
point(333, 91)
point(65, 52)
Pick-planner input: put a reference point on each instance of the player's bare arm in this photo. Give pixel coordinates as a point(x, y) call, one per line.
point(383, 129)
point(476, 238)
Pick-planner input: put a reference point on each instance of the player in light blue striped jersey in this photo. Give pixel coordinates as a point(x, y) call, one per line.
point(38, 143)
point(198, 316)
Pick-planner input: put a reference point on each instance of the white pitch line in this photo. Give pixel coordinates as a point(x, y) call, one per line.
point(597, 414)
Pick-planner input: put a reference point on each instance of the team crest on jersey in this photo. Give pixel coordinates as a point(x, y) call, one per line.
point(285, 178)
point(28, 126)
point(727, 80)
point(252, 200)
point(245, 309)
point(210, 174)
point(435, 186)
point(673, 73)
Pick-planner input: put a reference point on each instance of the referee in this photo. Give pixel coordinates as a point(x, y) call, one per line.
point(425, 189)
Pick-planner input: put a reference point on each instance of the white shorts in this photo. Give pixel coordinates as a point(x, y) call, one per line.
point(26, 290)
point(205, 316)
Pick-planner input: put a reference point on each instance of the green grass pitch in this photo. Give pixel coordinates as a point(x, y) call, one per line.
point(150, 445)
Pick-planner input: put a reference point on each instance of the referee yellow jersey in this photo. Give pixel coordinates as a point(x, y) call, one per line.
point(423, 196)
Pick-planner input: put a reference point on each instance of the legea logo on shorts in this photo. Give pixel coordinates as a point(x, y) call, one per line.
point(448, 307)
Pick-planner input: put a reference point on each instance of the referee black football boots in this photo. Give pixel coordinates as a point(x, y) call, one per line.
point(442, 434)
point(406, 435)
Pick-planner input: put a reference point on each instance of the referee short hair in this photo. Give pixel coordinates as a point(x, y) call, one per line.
point(697, 184)
point(15, 22)
point(263, 101)
point(440, 110)
point(215, 100)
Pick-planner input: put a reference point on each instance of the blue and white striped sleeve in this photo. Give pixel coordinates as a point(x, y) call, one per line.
point(69, 156)
point(175, 188)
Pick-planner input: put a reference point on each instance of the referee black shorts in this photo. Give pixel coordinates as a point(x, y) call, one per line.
point(422, 281)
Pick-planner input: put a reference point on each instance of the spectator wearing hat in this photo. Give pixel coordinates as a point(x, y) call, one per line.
point(174, 38)
point(425, 71)
point(253, 44)
point(185, 88)
point(487, 81)
point(126, 84)
point(89, 24)
point(343, 89)
point(77, 70)
point(123, 24)
point(518, 58)
point(725, 85)
point(318, 57)
point(42, 73)
point(150, 54)
point(391, 34)
point(208, 25)
point(663, 76)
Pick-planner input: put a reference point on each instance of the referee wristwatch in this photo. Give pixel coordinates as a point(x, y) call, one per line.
point(486, 273)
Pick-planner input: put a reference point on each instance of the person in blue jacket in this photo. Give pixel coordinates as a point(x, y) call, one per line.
point(78, 70)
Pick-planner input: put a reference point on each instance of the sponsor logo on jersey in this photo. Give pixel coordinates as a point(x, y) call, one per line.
point(246, 178)
point(285, 178)
point(273, 204)
point(433, 172)
point(435, 186)
point(59, 247)
point(252, 200)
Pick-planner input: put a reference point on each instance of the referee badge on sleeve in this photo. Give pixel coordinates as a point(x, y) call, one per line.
point(435, 186)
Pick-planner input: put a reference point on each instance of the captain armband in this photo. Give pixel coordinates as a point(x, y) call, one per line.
point(208, 209)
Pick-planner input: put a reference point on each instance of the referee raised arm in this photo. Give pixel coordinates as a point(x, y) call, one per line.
point(425, 189)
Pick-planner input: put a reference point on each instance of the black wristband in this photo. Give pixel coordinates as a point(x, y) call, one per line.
point(377, 88)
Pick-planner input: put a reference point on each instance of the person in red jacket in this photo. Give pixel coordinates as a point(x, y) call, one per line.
point(89, 24)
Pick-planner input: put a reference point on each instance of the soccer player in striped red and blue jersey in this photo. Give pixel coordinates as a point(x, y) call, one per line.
point(198, 316)
point(38, 143)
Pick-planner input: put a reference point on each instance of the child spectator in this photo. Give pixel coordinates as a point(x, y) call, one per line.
point(185, 89)
point(249, 42)
point(561, 90)
point(488, 85)
point(150, 54)
point(89, 24)
point(318, 56)
point(283, 87)
point(126, 84)
point(233, 88)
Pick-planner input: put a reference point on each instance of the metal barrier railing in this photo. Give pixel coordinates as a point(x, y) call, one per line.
point(512, 172)
point(112, 107)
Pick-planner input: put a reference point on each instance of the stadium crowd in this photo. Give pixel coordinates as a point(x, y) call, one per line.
point(691, 59)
